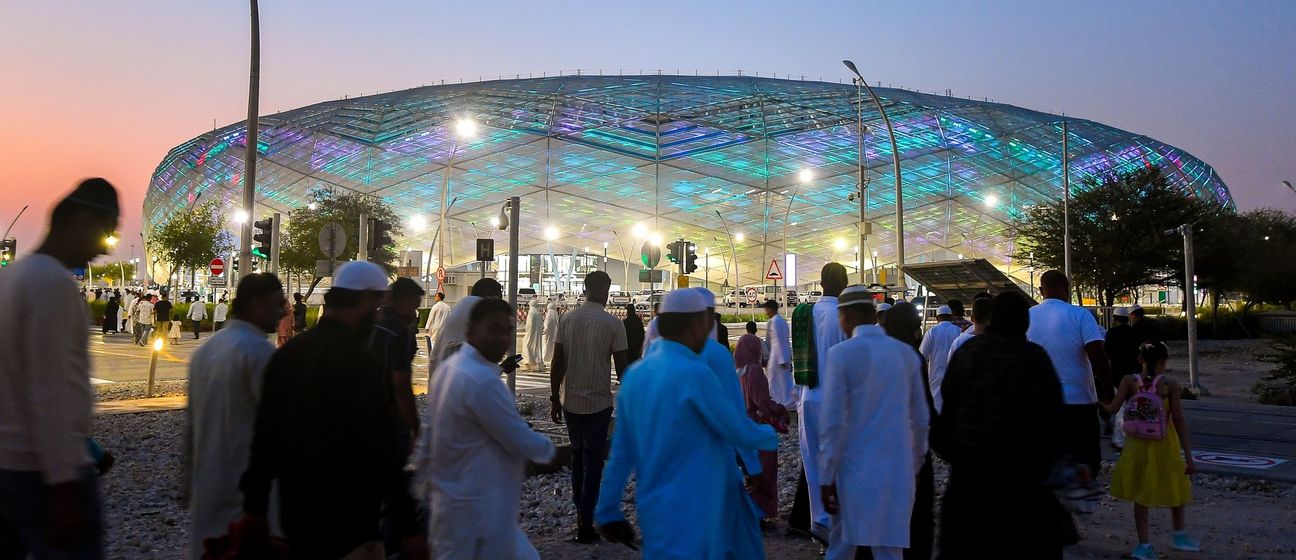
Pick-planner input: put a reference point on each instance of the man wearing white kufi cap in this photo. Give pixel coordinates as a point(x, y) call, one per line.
point(935, 348)
point(324, 432)
point(745, 540)
point(676, 431)
point(873, 444)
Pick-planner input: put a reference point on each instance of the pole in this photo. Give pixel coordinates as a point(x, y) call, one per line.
point(1066, 204)
point(363, 242)
point(859, 145)
point(733, 249)
point(515, 215)
point(1190, 291)
point(153, 357)
point(24, 209)
point(274, 243)
point(445, 190)
point(249, 159)
point(895, 163)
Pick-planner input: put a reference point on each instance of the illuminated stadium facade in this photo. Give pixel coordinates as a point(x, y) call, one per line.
point(600, 159)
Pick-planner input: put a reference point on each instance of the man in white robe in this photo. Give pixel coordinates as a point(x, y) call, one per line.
point(550, 330)
point(779, 339)
point(810, 410)
point(935, 348)
point(477, 448)
point(873, 444)
point(533, 341)
point(436, 319)
point(225, 381)
point(650, 333)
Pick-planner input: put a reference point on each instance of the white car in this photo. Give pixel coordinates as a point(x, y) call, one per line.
point(644, 295)
point(731, 299)
point(813, 297)
point(619, 298)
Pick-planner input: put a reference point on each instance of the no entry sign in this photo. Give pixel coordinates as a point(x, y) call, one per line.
point(217, 266)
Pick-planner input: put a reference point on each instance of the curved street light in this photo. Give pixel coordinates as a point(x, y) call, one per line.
point(895, 162)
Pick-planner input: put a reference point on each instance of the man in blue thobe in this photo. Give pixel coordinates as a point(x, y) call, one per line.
point(747, 541)
point(676, 431)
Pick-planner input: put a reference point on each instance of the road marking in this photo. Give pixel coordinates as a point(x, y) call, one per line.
point(1225, 459)
point(97, 381)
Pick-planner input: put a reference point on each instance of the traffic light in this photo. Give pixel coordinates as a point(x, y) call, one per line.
point(381, 235)
point(264, 236)
point(675, 251)
point(690, 259)
point(8, 251)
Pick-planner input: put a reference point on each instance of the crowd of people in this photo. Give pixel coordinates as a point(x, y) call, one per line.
point(316, 448)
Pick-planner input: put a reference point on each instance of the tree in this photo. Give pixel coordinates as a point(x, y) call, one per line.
point(191, 239)
point(299, 247)
point(1265, 243)
point(1118, 239)
point(112, 272)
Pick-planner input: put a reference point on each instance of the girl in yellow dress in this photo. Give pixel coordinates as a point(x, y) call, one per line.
point(1151, 471)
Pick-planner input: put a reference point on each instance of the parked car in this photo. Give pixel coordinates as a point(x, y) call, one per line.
point(619, 298)
point(643, 295)
point(525, 295)
point(644, 308)
point(731, 299)
point(790, 298)
point(813, 297)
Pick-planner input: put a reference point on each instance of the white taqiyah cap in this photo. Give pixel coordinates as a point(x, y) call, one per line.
point(884, 306)
point(1121, 312)
point(944, 310)
point(707, 296)
point(361, 276)
point(683, 301)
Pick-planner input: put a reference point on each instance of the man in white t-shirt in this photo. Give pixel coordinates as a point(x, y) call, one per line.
point(1074, 343)
point(935, 348)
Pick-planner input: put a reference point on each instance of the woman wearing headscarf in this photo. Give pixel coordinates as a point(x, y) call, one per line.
point(533, 342)
point(634, 328)
point(903, 324)
point(550, 330)
point(763, 410)
point(999, 430)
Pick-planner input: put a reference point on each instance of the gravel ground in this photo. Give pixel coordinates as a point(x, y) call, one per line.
point(1235, 518)
point(137, 390)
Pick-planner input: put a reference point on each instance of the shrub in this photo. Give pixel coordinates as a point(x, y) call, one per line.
point(1279, 387)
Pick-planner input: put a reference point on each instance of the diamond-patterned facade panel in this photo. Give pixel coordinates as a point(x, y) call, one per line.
point(593, 157)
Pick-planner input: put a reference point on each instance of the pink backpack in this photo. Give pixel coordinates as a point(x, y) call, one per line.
point(1145, 416)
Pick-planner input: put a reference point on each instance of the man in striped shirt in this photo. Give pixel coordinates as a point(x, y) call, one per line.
point(588, 340)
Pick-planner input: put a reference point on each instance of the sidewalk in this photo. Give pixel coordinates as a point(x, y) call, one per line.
point(133, 406)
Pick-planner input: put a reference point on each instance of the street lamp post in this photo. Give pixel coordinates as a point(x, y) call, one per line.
point(895, 162)
point(1289, 186)
point(625, 260)
point(733, 248)
point(250, 138)
point(1190, 311)
point(464, 128)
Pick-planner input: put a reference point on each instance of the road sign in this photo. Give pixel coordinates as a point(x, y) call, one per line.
point(324, 269)
point(774, 273)
point(651, 276)
point(682, 281)
point(217, 266)
point(751, 295)
point(216, 281)
point(485, 250)
point(441, 274)
point(332, 240)
point(650, 255)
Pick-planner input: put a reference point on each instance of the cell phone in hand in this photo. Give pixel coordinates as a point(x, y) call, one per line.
point(517, 359)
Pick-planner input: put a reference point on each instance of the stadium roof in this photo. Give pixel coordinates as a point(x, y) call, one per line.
point(594, 155)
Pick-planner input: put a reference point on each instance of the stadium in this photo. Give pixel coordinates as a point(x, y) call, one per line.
point(747, 168)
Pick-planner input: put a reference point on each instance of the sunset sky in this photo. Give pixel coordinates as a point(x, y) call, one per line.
point(106, 88)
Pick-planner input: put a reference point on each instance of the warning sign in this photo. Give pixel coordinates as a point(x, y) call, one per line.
point(774, 273)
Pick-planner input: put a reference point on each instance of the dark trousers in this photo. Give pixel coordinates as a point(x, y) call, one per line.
point(799, 517)
point(197, 325)
point(25, 517)
point(1080, 436)
point(589, 434)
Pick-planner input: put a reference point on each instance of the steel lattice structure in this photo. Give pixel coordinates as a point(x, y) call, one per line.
point(593, 155)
